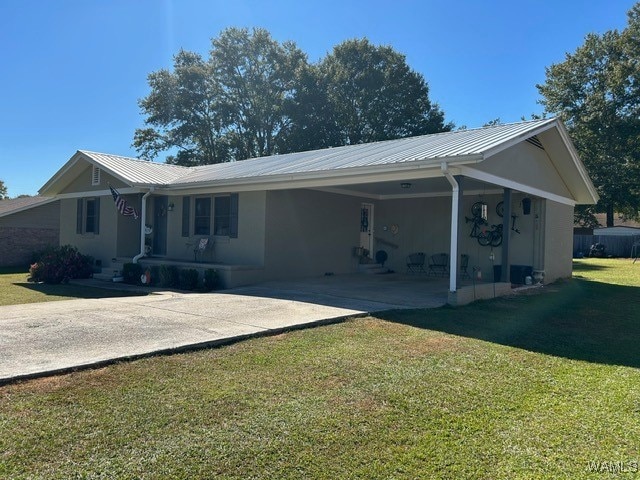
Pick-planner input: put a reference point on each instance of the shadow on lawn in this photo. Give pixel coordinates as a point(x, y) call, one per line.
point(585, 320)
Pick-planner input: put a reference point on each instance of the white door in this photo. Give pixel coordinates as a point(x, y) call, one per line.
point(366, 228)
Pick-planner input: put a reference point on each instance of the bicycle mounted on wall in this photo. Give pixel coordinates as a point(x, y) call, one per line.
point(486, 237)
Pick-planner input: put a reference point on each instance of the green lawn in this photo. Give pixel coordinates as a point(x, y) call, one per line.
point(536, 386)
point(16, 290)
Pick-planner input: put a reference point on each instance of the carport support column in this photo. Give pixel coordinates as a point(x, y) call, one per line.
point(505, 275)
point(455, 212)
point(460, 220)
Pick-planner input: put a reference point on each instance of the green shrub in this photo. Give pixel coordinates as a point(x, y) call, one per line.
point(188, 279)
point(168, 276)
point(60, 264)
point(155, 275)
point(131, 273)
point(210, 280)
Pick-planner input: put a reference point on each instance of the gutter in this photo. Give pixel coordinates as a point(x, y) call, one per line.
point(143, 222)
point(453, 253)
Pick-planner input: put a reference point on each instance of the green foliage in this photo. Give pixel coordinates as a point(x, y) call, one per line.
point(188, 279)
point(255, 96)
point(155, 274)
point(210, 280)
point(596, 92)
point(374, 95)
point(131, 273)
point(60, 264)
point(3, 190)
point(168, 276)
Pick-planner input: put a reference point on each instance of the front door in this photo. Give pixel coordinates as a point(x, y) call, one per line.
point(366, 228)
point(159, 225)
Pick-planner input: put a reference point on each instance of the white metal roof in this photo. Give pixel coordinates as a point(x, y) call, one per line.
point(135, 171)
point(449, 145)
point(335, 166)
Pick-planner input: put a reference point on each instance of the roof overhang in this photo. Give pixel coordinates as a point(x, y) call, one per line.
point(459, 154)
point(70, 170)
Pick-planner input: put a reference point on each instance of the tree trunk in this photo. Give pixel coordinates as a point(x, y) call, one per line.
point(610, 215)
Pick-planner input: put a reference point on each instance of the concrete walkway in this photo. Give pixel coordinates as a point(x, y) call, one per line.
point(54, 337)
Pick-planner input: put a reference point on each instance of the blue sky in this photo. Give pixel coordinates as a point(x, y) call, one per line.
point(73, 70)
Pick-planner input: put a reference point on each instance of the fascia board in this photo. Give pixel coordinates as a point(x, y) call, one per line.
point(60, 173)
point(72, 162)
point(101, 193)
point(584, 175)
point(506, 183)
point(552, 122)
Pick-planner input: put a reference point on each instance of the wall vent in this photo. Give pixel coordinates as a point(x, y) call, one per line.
point(95, 176)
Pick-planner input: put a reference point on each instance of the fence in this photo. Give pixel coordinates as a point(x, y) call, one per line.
point(615, 245)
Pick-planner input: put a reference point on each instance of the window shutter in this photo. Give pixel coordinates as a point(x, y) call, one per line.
point(96, 230)
point(186, 214)
point(233, 216)
point(79, 216)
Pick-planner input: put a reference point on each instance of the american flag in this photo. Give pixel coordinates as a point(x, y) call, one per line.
point(121, 204)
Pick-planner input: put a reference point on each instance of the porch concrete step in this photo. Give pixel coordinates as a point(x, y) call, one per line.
point(371, 268)
point(105, 276)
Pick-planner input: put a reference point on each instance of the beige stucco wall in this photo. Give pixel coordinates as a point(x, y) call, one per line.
point(526, 164)
point(247, 249)
point(102, 246)
point(128, 243)
point(423, 226)
point(310, 233)
point(558, 245)
point(82, 183)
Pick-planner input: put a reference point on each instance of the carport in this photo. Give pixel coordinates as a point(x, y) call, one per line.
point(312, 214)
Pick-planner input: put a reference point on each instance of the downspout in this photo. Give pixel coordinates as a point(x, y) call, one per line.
point(143, 223)
point(453, 254)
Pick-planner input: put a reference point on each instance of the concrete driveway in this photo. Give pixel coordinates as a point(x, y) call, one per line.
point(46, 338)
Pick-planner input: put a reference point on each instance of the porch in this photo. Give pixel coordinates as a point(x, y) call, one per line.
point(379, 291)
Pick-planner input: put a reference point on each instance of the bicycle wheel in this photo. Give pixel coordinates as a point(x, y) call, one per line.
point(476, 209)
point(496, 238)
point(484, 238)
point(500, 209)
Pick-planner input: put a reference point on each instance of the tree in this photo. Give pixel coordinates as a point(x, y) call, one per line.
point(259, 78)
point(231, 106)
point(374, 95)
point(3, 190)
point(596, 92)
point(184, 112)
point(255, 96)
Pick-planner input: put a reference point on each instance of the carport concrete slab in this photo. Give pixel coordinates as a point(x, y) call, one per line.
point(44, 338)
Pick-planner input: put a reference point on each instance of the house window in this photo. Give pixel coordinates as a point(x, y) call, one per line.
point(225, 220)
point(88, 216)
point(95, 176)
point(202, 217)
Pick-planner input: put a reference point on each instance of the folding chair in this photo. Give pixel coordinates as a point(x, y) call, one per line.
point(415, 263)
point(438, 264)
